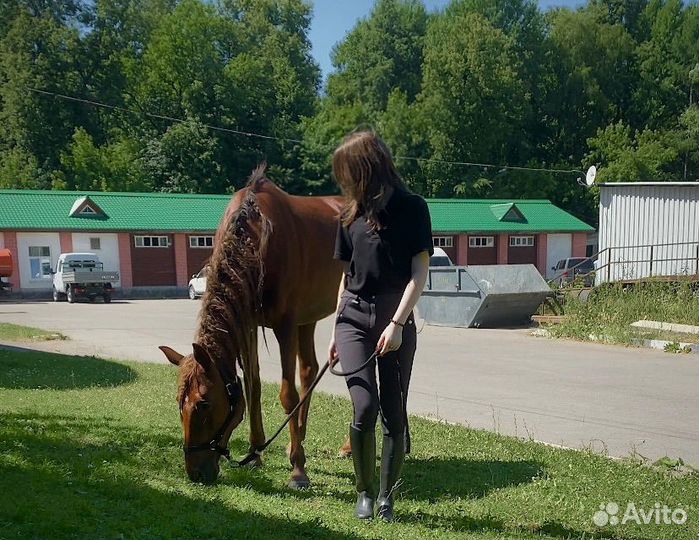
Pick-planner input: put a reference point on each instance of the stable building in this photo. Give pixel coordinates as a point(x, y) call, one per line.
point(496, 231)
point(157, 241)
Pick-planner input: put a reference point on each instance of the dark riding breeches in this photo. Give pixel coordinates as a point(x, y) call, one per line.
point(358, 327)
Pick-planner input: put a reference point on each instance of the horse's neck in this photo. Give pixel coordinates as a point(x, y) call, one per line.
point(225, 337)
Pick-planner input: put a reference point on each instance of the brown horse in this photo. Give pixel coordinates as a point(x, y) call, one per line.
point(271, 266)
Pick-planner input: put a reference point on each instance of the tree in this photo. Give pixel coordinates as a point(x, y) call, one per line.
point(381, 54)
point(624, 156)
point(471, 99)
point(664, 61)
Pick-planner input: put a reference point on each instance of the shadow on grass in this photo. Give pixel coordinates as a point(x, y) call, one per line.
point(28, 369)
point(69, 477)
point(433, 479)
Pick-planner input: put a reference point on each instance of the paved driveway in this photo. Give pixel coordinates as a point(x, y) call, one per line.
point(613, 399)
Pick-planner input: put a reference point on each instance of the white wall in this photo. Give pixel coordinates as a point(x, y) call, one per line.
point(24, 240)
point(558, 246)
point(637, 219)
point(108, 252)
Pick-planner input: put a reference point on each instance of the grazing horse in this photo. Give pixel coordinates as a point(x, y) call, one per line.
point(272, 266)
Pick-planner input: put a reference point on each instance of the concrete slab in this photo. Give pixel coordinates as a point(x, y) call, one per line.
point(582, 395)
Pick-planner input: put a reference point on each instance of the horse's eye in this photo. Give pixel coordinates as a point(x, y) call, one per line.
point(203, 405)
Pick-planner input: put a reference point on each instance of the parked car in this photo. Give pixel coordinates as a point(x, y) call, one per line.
point(197, 285)
point(82, 275)
point(440, 258)
point(568, 270)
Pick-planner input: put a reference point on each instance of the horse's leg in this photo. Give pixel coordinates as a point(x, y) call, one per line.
point(308, 369)
point(287, 336)
point(253, 396)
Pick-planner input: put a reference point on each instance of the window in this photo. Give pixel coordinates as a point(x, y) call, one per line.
point(521, 241)
point(95, 243)
point(442, 241)
point(201, 241)
point(88, 210)
point(151, 241)
point(40, 262)
point(481, 241)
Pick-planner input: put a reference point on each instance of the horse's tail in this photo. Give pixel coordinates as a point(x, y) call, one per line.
point(233, 300)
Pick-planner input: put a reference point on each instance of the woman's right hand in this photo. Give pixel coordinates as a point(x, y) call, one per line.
point(332, 352)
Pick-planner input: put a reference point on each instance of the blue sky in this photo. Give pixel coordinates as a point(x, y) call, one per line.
point(332, 19)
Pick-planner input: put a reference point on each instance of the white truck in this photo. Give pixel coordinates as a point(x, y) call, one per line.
point(82, 275)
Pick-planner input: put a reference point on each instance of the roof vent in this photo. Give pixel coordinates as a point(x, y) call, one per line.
point(508, 212)
point(85, 207)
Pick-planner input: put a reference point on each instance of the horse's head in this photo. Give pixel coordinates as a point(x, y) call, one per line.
point(210, 409)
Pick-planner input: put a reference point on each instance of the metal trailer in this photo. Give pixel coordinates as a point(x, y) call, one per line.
point(648, 229)
point(482, 295)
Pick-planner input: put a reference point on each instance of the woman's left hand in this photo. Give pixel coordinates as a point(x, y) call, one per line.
point(390, 340)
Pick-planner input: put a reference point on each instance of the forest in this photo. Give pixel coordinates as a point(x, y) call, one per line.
point(189, 96)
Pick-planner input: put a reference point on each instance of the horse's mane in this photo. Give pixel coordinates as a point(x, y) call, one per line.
point(232, 304)
point(189, 374)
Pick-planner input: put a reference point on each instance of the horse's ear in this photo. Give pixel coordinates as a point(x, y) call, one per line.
point(173, 356)
point(201, 355)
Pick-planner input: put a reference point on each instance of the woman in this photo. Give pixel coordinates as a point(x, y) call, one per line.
point(384, 238)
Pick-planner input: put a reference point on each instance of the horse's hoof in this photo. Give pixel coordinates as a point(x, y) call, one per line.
point(344, 453)
point(299, 483)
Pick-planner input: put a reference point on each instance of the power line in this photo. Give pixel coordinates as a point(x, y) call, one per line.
point(159, 116)
point(284, 139)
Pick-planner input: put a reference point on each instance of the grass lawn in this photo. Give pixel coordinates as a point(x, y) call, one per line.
point(607, 314)
point(14, 332)
point(92, 449)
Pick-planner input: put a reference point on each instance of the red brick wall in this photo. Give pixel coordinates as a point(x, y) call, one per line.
point(451, 252)
point(502, 243)
point(461, 250)
point(541, 252)
point(196, 259)
point(521, 255)
point(125, 272)
point(483, 255)
point(66, 239)
point(180, 244)
point(153, 266)
point(579, 244)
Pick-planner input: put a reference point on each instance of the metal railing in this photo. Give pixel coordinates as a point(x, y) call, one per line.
point(653, 260)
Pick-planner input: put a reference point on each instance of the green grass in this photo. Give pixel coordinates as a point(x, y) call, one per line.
point(15, 332)
point(92, 449)
point(609, 311)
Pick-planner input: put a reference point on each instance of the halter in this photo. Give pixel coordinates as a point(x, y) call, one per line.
point(214, 445)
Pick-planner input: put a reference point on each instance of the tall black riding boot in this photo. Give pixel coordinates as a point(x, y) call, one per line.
point(364, 458)
point(392, 457)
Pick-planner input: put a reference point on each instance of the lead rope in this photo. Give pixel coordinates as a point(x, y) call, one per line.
point(255, 452)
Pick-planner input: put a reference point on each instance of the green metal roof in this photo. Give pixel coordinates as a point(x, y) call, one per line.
point(50, 210)
point(492, 215)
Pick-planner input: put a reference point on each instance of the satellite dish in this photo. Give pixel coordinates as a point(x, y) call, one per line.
point(590, 176)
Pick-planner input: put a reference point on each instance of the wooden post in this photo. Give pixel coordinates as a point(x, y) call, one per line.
point(651, 262)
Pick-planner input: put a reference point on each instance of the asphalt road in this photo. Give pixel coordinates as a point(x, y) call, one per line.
point(614, 400)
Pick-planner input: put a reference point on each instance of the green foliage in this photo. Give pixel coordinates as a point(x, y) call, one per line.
point(625, 158)
point(382, 54)
point(15, 332)
point(609, 311)
point(613, 83)
point(104, 439)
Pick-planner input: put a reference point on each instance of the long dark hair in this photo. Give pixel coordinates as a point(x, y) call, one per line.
point(364, 169)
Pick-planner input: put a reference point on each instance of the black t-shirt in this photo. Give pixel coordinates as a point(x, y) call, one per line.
point(380, 261)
